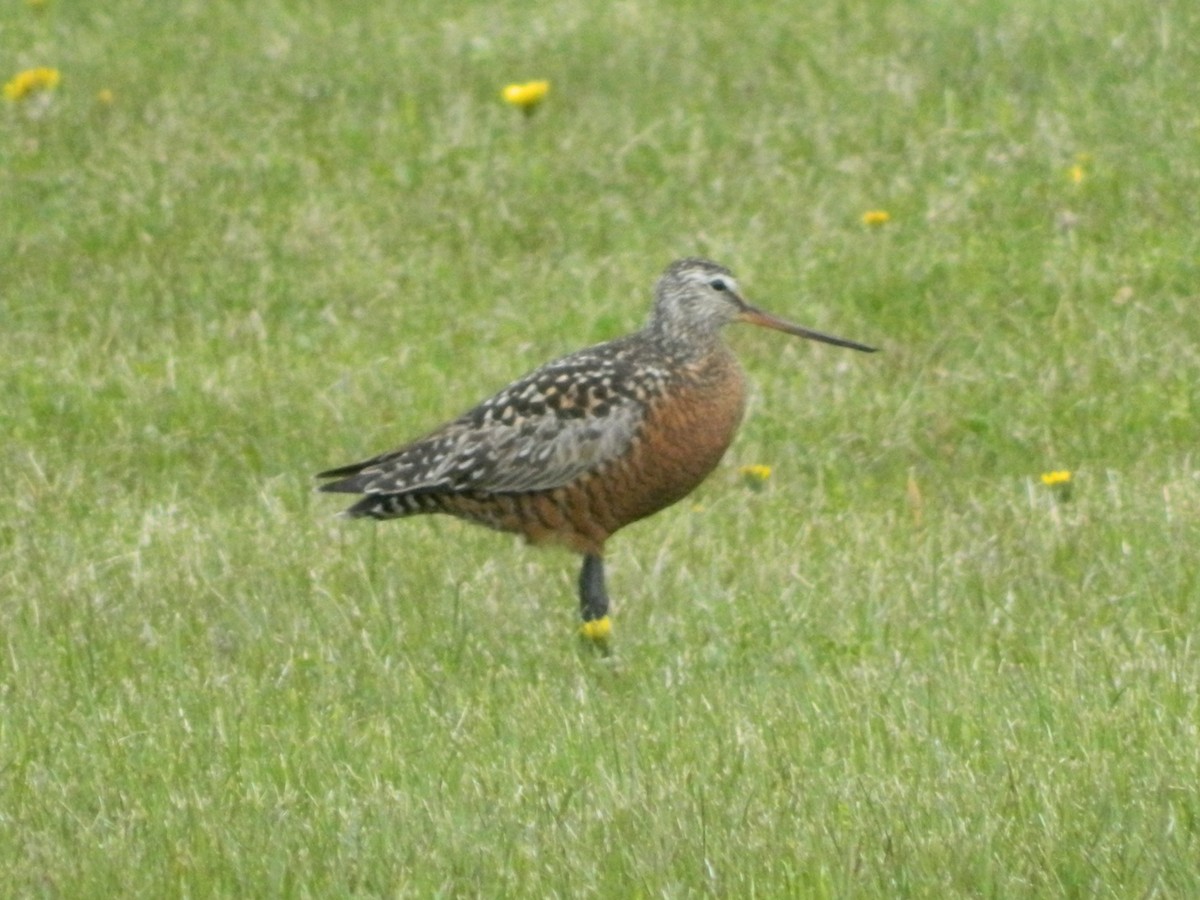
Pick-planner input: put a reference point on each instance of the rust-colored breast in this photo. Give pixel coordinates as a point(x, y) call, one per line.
point(687, 433)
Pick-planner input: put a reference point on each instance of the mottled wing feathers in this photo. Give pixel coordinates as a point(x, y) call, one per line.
point(541, 432)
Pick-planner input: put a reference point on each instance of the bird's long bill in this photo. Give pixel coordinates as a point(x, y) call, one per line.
point(756, 316)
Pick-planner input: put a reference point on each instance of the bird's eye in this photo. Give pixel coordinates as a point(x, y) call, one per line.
point(718, 284)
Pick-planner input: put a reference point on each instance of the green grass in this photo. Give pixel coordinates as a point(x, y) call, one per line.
point(304, 232)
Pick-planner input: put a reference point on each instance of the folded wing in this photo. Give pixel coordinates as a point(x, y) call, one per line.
point(542, 432)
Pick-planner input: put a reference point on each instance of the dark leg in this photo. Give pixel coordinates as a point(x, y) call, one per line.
point(593, 598)
point(593, 602)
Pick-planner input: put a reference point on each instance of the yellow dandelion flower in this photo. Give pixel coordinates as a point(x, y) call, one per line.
point(1051, 479)
point(876, 217)
point(758, 473)
point(35, 4)
point(1076, 173)
point(105, 96)
point(25, 83)
point(597, 630)
point(526, 96)
point(754, 477)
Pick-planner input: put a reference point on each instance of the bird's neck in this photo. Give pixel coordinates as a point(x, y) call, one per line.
point(689, 341)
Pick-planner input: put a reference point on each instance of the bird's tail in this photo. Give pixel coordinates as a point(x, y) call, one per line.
point(392, 506)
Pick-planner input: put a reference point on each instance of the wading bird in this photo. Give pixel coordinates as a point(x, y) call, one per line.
point(591, 442)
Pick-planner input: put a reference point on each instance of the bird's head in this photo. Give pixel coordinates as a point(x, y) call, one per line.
point(695, 298)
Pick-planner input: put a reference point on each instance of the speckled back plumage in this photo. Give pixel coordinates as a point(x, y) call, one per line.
point(540, 432)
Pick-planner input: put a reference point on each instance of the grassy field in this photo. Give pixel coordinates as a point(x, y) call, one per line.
point(244, 242)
